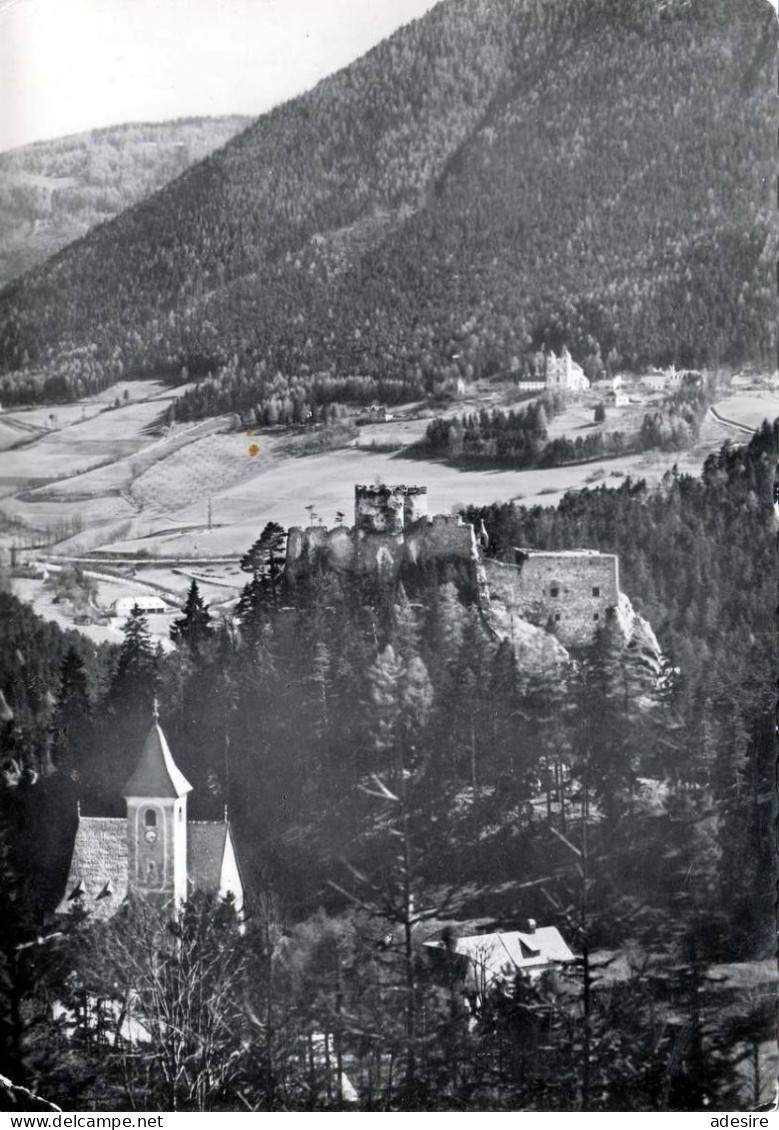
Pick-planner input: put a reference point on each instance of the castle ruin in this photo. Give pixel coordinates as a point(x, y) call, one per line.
point(543, 601)
point(571, 593)
point(391, 530)
point(388, 510)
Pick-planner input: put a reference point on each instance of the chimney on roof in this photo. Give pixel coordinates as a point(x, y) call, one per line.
point(531, 925)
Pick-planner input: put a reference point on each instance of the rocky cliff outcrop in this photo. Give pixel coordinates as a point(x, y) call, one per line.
point(547, 604)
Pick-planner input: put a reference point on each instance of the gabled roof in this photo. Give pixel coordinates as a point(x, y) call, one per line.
point(205, 851)
point(212, 862)
point(156, 774)
point(97, 879)
point(496, 957)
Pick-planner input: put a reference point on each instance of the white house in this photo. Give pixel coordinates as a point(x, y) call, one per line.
point(486, 961)
point(657, 379)
point(154, 852)
point(125, 604)
point(616, 398)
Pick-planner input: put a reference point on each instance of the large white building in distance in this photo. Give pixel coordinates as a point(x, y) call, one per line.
point(561, 374)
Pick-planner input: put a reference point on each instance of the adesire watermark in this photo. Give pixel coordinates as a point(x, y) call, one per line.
point(740, 1120)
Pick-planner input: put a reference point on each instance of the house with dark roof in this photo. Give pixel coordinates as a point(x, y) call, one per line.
point(154, 852)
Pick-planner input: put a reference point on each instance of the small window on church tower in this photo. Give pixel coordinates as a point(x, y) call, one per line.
point(596, 590)
point(554, 591)
point(150, 818)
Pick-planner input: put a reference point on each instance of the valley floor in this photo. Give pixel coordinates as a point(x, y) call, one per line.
point(106, 483)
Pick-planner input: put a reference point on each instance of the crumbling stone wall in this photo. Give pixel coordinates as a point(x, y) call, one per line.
point(381, 552)
point(391, 530)
point(388, 510)
point(570, 593)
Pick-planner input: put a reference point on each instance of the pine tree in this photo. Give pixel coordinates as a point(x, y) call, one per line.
point(265, 559)
point(126, 719)
point(193, 629)
point(72, 719)
point(136, 665)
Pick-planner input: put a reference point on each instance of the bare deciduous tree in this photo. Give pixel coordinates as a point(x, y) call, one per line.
point(173, 991)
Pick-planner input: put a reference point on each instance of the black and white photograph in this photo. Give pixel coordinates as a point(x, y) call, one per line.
point(388, 557)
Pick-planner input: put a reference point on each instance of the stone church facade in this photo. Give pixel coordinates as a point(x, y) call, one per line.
point(155, 852)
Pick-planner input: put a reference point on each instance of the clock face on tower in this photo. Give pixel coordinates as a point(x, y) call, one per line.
point(150, 869)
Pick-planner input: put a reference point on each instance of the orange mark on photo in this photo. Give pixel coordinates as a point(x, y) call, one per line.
point(254, 449)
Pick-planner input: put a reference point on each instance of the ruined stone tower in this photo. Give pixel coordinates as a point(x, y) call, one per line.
point(388, 510)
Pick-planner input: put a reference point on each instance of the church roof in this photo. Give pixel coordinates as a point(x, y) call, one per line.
point(98, 874)
point(206, 849)
point(156, 774)
point(97, 879)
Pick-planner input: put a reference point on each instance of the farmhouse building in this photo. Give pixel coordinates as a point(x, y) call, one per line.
point(375, 414)
point(155, 852)
point(616, 398)
point(125, 604)
point(657, 379)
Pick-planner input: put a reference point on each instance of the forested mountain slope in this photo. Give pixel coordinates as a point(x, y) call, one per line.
point(499, 174)
point(53, 192)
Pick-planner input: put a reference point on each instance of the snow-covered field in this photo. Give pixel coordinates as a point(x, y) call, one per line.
point(750, 408)
point(170, 500)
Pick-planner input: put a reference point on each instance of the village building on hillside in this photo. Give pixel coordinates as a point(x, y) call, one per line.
point(154, 852)
point(375, 414)
point(564, 375)
point(658, 379)
point(483, 962)
point(558, 374)
point(531, 384)
point(616, 398)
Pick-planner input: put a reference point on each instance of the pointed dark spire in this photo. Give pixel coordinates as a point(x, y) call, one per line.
point(156, 774)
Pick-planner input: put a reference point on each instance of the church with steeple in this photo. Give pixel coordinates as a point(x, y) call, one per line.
point(154, 852)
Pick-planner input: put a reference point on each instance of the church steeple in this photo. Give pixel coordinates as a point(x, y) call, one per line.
point(156, 774)
point(156, 796)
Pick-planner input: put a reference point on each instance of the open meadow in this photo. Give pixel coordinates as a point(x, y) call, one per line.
point(749, 409)
point(165, 504)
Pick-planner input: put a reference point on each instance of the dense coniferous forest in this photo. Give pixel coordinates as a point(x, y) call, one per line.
point(53, 192)
point(415, 221)
point(387, 764)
